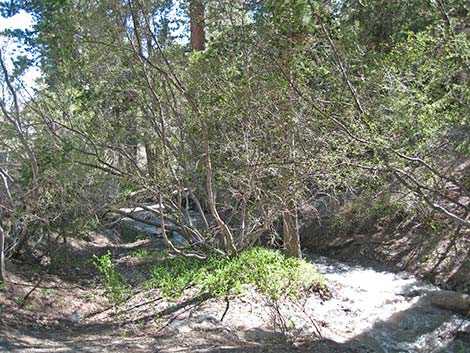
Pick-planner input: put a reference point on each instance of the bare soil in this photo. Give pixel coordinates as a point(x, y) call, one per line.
point(60, 305)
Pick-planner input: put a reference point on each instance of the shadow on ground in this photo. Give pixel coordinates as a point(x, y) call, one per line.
point(21, 331)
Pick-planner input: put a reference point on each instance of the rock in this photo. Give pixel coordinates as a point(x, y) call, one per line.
point(178, 239)
point(260, 335)
point(450, 300)
point(410, 294)
point(74, 318)
point(178, 327)
point(463, 334)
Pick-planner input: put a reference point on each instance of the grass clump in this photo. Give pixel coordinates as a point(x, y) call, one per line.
point(270, 272)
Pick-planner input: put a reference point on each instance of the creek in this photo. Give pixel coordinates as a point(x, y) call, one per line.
point(371, 311)
point(384, 312)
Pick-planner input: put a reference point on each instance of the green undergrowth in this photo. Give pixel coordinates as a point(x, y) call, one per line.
point(115, 283)
point(270, 272)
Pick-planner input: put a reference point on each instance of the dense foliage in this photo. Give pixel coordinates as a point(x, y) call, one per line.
point(290, 104)
point(271, 273)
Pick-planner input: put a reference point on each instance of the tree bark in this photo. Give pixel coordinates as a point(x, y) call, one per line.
point(198, 34)
point(15, 120)
point(167, 241)
point(151, 154)
point(291, 234)
point(227, 234)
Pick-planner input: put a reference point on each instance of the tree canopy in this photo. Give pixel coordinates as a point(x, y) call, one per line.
point(258, 110)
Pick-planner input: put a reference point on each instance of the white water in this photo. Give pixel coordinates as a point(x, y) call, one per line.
point(384, 312)
point(372, 311)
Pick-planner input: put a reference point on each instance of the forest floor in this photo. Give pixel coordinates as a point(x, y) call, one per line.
point(65, 309)
point(56, 308)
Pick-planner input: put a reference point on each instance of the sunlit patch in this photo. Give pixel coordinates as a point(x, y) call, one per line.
point(381, 309)
point(13, 50)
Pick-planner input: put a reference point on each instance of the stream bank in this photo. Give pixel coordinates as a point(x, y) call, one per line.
point(370, 311)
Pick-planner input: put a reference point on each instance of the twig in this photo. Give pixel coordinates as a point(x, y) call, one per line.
point(142, 304)
point(23, 302)
point(227, 306)
point(168, 242)
point(122, 311)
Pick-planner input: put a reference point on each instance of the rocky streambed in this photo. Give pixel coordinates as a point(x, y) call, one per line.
point(369, 311)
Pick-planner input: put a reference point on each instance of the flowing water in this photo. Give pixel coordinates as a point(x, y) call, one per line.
point(384, 312)
point(374, 311)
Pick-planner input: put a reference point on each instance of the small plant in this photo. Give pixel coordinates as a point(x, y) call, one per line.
point(89, 297)
point(114, 282)
point(159, 254)
point(93, 224)
point(281, 324)
point(435, 227)
point(48, 292)
point(139, 253)
point(21, 302)
point(462, 347)
point(87, 237)
point(270, 272)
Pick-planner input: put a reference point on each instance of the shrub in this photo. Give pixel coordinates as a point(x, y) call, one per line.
point(270, 272)
point(115, 283)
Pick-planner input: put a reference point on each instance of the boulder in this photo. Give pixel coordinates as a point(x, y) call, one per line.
point(450, 300)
